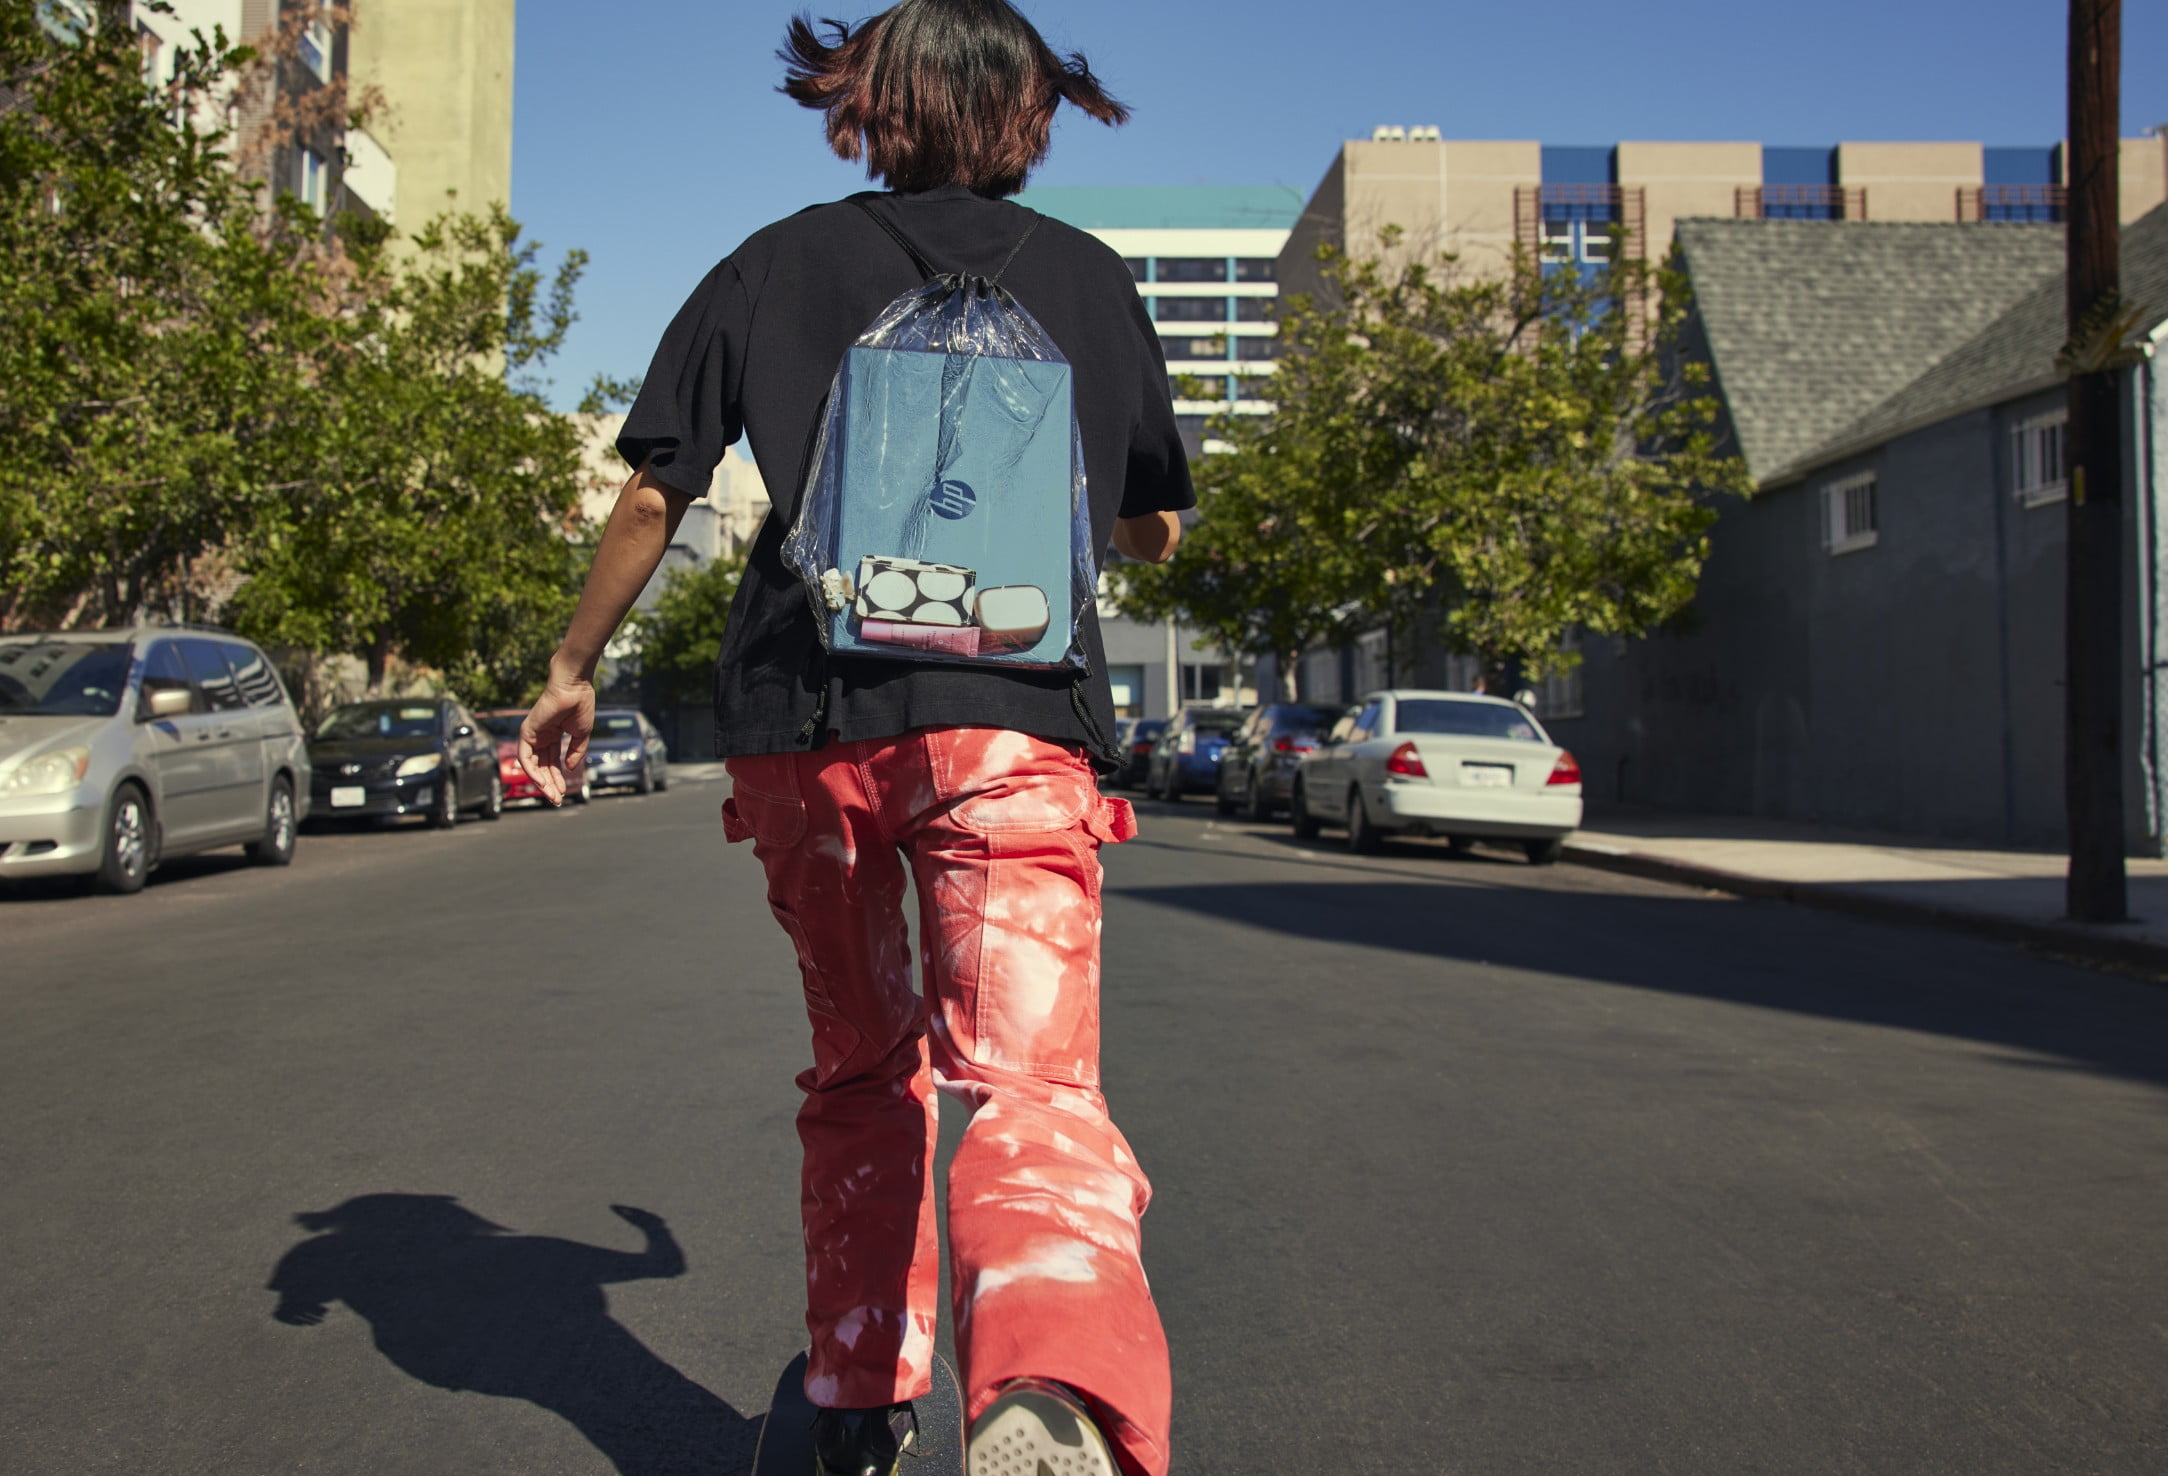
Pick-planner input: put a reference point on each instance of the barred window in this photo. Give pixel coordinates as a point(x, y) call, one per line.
point(1850, 516)
point(2036, 458)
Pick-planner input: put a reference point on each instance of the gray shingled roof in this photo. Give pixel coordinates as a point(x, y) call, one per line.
point(2016, 353)
point(1814, 325)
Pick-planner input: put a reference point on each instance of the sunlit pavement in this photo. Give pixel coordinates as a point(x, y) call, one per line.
point(1461, 1165)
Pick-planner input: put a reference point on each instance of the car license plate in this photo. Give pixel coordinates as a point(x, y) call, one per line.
point(1487, 776)
point(347, 796)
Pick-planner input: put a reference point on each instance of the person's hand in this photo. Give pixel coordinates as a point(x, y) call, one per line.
point(553, 739)
point(639, 1219)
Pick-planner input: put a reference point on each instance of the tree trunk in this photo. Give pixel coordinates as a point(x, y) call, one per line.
point(378, 659)
point(1283, 674)
point(2093, 632)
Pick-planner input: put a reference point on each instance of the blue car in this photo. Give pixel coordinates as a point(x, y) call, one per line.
point(1187, 755)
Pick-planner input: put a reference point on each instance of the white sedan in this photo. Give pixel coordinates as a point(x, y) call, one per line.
point(1440, 763)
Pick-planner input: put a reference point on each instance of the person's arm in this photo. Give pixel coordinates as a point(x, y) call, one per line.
point(553, 739)
point(1150, 538)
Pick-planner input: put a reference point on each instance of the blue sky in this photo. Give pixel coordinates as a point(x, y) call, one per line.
point(649, 132)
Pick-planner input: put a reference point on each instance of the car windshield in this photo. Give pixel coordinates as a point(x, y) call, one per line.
point(381, 720)
point(1214, 730)
point(503, 724)
point(1464, 719)
point(1148, 729)
point(616, 725)
point(63, 678)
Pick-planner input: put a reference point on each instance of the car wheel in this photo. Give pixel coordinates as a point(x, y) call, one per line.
point(662, 780)
point(646, 784)
point(1362, 837)
point(1220, 799)
point(277, 846)
point(493, 807)
point(444, 814)
point(585, 792)
point(1298, 811)
point(1544, 852)
point(1260, 808)
point(126, 864)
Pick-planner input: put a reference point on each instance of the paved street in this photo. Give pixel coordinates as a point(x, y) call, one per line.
point(1462, 1166)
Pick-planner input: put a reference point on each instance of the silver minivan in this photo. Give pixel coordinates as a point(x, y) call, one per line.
point(122, 747)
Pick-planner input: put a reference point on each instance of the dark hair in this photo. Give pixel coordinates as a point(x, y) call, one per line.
point(940, 92)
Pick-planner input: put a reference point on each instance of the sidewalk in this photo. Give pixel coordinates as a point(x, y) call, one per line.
point(2016, 896)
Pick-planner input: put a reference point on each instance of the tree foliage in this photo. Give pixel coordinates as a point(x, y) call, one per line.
point(678, 638)
point(1513, 457)
point(334, 439)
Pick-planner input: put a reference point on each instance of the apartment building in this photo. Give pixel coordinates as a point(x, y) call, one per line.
point(1205, 260)
point(444, 70)
point(1567, 205)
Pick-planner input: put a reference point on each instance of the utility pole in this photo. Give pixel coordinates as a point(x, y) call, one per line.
point(2093, 603)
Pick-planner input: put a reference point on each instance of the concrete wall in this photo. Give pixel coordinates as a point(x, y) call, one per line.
point(1913, 687)
point(1682, 180)
point(1911, 181)
point(445, 70)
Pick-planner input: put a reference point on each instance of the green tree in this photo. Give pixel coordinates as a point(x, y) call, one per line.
point(441, 517)
point(677, 639)
point(147, 326)
point(1510, 457)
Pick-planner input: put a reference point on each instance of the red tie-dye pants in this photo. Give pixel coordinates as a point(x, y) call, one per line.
point(1002, 832)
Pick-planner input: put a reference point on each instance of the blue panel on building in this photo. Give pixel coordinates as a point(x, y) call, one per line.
point(1794, 166)
point(1576, 164)
point(2021, 166)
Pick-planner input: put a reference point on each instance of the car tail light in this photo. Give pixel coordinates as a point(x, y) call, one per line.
point(1292, 745)
point(1143, 747)
point(1568, 770)
point(1407, 763)
point(508, 768)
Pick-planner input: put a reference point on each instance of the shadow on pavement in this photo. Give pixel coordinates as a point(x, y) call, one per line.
point(1766, 955)
point(458, 1302)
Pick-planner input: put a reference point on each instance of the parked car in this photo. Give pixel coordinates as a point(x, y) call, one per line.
point(405, 756)
point(1258, 768)
point(502, 724)
point(1440, 763)
point(1188, 752)
point(626, 752)
point(121, 748)
point(1137, 751)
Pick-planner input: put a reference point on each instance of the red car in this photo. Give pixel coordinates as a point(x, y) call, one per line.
point(503, 725)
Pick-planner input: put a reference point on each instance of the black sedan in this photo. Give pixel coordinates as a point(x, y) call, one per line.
point(1257, 771)
point(404, 756)
point(1137, 751)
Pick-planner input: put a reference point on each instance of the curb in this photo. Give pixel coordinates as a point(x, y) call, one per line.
point(2066, 939)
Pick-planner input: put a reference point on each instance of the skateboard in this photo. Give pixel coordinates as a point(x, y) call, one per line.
point(786, 1436)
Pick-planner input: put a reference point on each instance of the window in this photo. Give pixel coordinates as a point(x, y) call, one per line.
point(1256, 309)
point(1191, 309)
point(1201, 683)
point(1192, 269)
point(1366, 721)
point(213, 678)
point(1254, 387)
point(316, 49)
point(1256, 349)
point(1468, 717)
point(2036, 458)
point(259, 685)
point(1140, 267)
point(1127, 684)
point(312, 178)
point(148, 43)
point(162, 667)
point(1195, 348)
point(1257, 269)
point(1849, 514)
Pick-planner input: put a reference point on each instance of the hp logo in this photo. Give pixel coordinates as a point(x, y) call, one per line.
point(953, 500)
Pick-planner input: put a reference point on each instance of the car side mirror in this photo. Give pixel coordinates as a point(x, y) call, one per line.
point(165, 698)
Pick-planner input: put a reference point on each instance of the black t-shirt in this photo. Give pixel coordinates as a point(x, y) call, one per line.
point(753, 351)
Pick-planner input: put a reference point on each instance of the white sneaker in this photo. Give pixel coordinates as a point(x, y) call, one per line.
point(1037, 1429)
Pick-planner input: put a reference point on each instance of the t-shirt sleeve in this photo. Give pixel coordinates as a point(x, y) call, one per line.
point(687, 413)
point(1158, 474)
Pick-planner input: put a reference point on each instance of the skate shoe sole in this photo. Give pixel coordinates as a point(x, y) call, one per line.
point(1027, 1432)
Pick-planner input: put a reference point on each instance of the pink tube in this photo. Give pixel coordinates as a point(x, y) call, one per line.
point(950, 640)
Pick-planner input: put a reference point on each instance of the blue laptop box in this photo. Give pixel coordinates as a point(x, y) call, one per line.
point(963, 460)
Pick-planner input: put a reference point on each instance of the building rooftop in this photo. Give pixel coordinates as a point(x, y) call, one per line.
point(1816, 326)
point(1168, 207)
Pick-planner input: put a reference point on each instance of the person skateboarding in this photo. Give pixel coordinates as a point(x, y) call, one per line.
point(980, 779)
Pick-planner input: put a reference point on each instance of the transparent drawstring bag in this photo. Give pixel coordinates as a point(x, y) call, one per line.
point(944, 516)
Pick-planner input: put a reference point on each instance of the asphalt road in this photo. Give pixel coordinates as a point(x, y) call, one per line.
point(1462, 1166)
